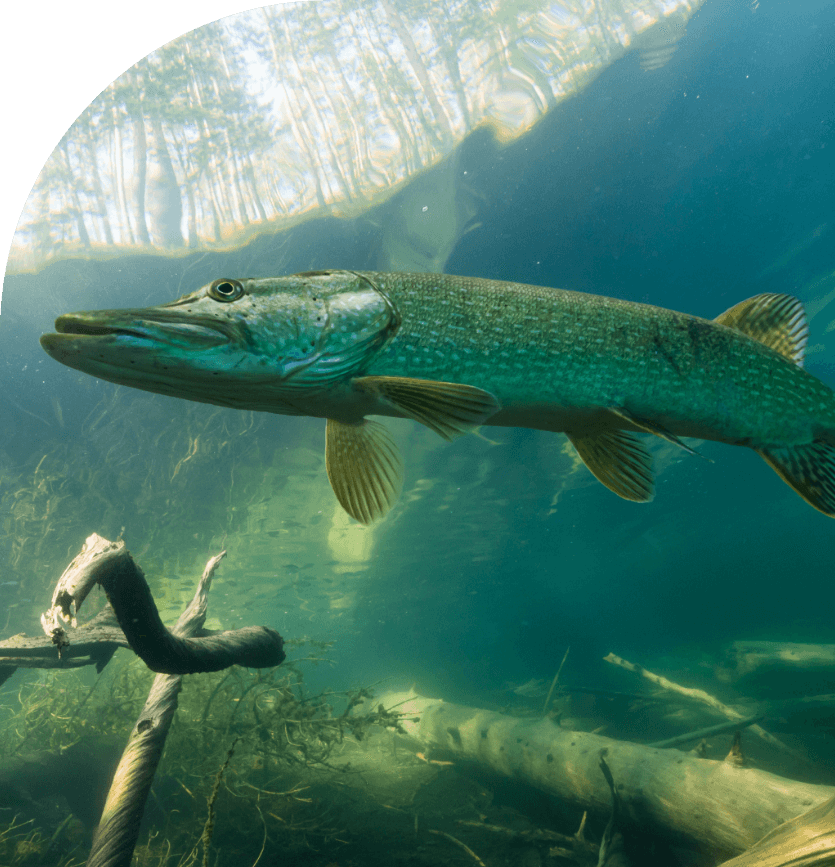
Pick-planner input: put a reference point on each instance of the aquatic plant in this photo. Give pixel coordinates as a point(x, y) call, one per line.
point(282, 734)
point(22, 845)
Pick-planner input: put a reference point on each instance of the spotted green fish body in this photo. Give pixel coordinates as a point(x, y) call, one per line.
point(456, 352)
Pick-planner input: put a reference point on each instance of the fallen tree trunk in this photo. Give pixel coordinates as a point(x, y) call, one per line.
point(805, 841)
point(773, 668)
point(713, 805)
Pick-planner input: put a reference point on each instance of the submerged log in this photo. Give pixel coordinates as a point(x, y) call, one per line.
point(111, 565)
point(711, 805)
point(774, 668)
point(93, 643)
point(131, 619)
point(81, 773)
point(805, 841)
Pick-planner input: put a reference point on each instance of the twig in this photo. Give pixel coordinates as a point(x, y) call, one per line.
point(736, 757)
point(464, 846)
point(208, 828)
point(580, 833)
point(706, 732)
point(610, 693)
point(577, 844)
point(705, 698)
point(264, 841)
point(554, 681)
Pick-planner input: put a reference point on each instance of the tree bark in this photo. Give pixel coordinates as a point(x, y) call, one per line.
point(712, 805)
point(806, 841)
point(130, 620)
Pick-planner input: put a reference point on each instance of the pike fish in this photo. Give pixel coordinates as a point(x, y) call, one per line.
point(454, 353)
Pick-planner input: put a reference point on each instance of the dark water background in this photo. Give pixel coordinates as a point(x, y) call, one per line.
point(691, 187)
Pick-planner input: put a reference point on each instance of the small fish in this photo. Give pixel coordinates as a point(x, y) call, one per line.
point(457, 352)
point(422, 757)
point(532, 689)
point(59, 413)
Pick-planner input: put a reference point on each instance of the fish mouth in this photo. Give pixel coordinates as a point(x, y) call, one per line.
point(136, 331)
point(71, 325)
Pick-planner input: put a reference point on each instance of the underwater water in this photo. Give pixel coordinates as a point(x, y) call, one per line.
point(690, 186)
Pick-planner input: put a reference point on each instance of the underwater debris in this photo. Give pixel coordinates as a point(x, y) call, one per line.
point(282, 727)
point(81, 773)
point(118, 829)
point(706, 732)
point(735, 757)
point(704, 697)
point(460, 845)
point(808, 839)
point(721, 809)
point(773, 668)
point(555, 681)
point(183, 650)
point(131, 620)
point(573, 848)
point(612, 848)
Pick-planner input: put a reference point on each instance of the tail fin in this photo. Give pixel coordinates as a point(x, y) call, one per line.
point(809, 469)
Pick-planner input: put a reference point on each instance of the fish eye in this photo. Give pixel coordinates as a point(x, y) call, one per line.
point(225, 289)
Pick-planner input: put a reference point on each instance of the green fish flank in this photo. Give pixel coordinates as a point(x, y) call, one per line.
point(454, 353)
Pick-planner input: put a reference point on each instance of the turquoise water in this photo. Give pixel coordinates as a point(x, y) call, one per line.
point(692, 187)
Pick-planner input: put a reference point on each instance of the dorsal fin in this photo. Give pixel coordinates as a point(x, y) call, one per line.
point(778, 321)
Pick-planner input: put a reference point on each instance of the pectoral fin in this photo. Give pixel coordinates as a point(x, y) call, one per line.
point(449, 408)
point(649, 426)
point(620, 461)
point(364, 468)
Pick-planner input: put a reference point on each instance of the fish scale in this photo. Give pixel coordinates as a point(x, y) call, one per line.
point(454, 353)
point(592, 350)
